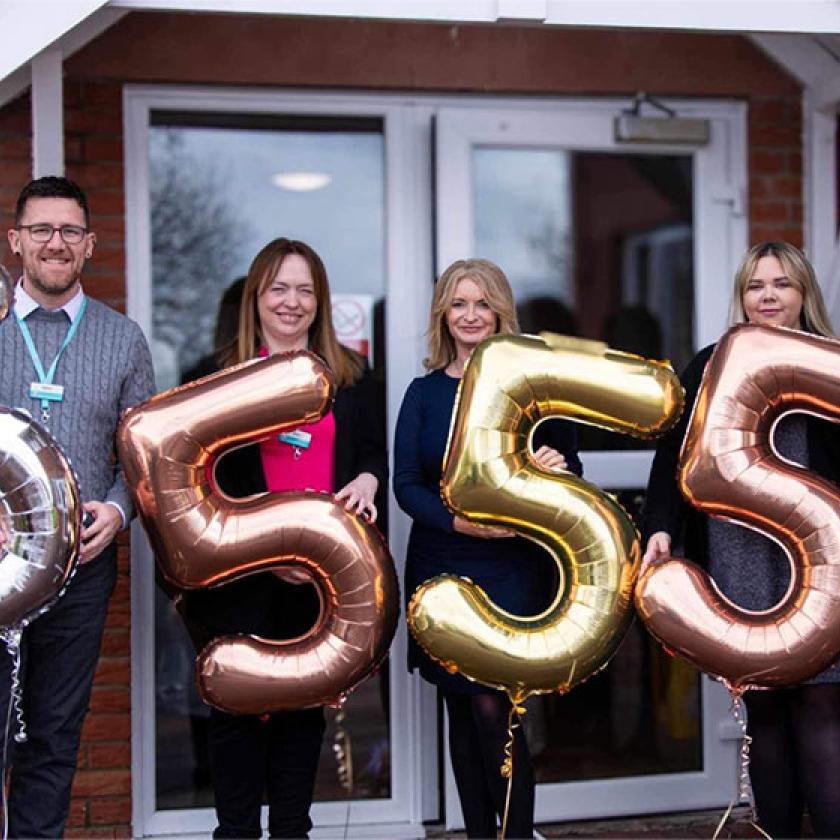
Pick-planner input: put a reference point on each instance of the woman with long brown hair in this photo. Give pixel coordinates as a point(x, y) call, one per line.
point(286, 307)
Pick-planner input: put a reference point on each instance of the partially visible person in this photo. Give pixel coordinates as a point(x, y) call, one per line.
point(286, 307)
point(102, 366)
point(795, 750)
point(472, 301)
point(227, 325)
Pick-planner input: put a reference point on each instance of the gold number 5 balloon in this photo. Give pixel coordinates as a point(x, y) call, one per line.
point(203, 538)
point(510, 384)
point(729, 469)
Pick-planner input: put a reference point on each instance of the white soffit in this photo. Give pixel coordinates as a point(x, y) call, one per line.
point(816, 16)
point(28, 27)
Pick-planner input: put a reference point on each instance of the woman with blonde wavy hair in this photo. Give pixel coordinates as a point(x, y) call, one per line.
point(472, 301)
point(795, 731)
point(285, 308)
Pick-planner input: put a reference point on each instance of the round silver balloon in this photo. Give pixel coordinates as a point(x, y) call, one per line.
point(40, 518)
point(6, 292)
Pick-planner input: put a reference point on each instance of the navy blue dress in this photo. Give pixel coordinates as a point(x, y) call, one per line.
point(515, 573)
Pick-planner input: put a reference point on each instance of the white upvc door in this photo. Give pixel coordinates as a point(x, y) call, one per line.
point(720, 238)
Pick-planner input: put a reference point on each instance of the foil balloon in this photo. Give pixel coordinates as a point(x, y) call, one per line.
point(6, 292)
point(41, 516)
point(203, 538)
point(511, 384)
point(730, 469)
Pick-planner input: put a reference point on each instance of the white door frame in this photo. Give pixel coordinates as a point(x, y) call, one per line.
point(414, 789)
point(720, 238)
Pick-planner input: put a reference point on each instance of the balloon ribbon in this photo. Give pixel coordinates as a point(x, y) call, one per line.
point(516, 710)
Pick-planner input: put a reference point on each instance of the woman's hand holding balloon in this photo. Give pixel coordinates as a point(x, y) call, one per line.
point(485, 532)
point(358, 495)
point(658, 547)
point(550, 459)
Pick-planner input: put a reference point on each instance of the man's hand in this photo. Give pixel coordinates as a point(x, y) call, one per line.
point(101, 532)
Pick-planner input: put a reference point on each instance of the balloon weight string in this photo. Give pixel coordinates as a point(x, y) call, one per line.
point(343, 751)
point(516, 709)
point(744, 792)
point(11, 636)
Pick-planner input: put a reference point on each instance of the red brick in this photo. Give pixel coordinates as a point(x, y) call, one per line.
point(110, 700)
point(122, 590)
point(103, 148)
point(97, 175)
point(761, 233)
point(107, 202)
point(102, 783)
point(116, 642)
point(91, 832)
point(78, 813)
point(102, 94)
point(119, 615)
point(769, 111)
point(108, 755)
point(13, 146)
point(110, 811)
point(769, 211)
point(114, 671)
point(775, 136)
point(12, 170)
point(763, 161)
point(786, 186)
point(93, 120)
point(107, 726)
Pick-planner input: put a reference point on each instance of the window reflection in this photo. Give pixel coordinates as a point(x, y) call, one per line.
point(216, 199)
point(600, 245)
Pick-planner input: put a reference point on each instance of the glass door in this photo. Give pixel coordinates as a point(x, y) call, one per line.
point(621, 244)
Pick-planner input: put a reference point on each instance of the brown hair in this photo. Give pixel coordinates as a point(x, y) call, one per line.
point(346, 365)
point(496, 288)
point(798, 270)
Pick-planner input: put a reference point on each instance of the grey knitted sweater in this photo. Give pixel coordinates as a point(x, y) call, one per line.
point(106, 369)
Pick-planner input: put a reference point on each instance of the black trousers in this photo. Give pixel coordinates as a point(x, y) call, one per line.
point(253, 756)
point(59, 655)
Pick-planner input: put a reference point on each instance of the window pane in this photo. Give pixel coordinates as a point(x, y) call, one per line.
point(600, 245)
point(218, 195)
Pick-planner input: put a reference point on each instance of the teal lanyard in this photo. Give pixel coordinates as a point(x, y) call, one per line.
point(46, 377)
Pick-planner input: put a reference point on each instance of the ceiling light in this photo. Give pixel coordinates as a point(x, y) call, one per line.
point(301, 181)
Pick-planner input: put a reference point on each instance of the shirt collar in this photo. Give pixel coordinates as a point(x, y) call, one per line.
point(25, 304)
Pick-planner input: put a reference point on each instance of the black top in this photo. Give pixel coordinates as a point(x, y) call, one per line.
point(515, 573)
point(261, 603)
point(749, 568)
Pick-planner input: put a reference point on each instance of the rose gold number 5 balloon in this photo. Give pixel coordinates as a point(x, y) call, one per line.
point(203, 538)
point(510, 384)
point(729, 469)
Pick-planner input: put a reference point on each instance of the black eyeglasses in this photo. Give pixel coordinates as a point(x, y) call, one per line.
point(42, 232)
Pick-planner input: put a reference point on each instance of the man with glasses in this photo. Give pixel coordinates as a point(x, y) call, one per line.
point(76, 365)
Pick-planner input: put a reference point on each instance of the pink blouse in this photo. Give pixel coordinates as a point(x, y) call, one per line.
point(305, 464)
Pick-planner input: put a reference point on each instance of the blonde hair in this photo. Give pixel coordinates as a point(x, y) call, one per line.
point(814, 317)
point(347, 365)
point(496, 289)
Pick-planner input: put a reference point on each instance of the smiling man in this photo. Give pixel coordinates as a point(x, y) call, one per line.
point(75, 365)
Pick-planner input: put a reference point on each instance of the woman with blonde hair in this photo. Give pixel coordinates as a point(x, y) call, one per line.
point(286, 307)
point(472, 301)
point(795, 750)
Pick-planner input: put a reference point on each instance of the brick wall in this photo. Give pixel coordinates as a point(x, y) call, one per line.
point(94, 149)
point(775, 167)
